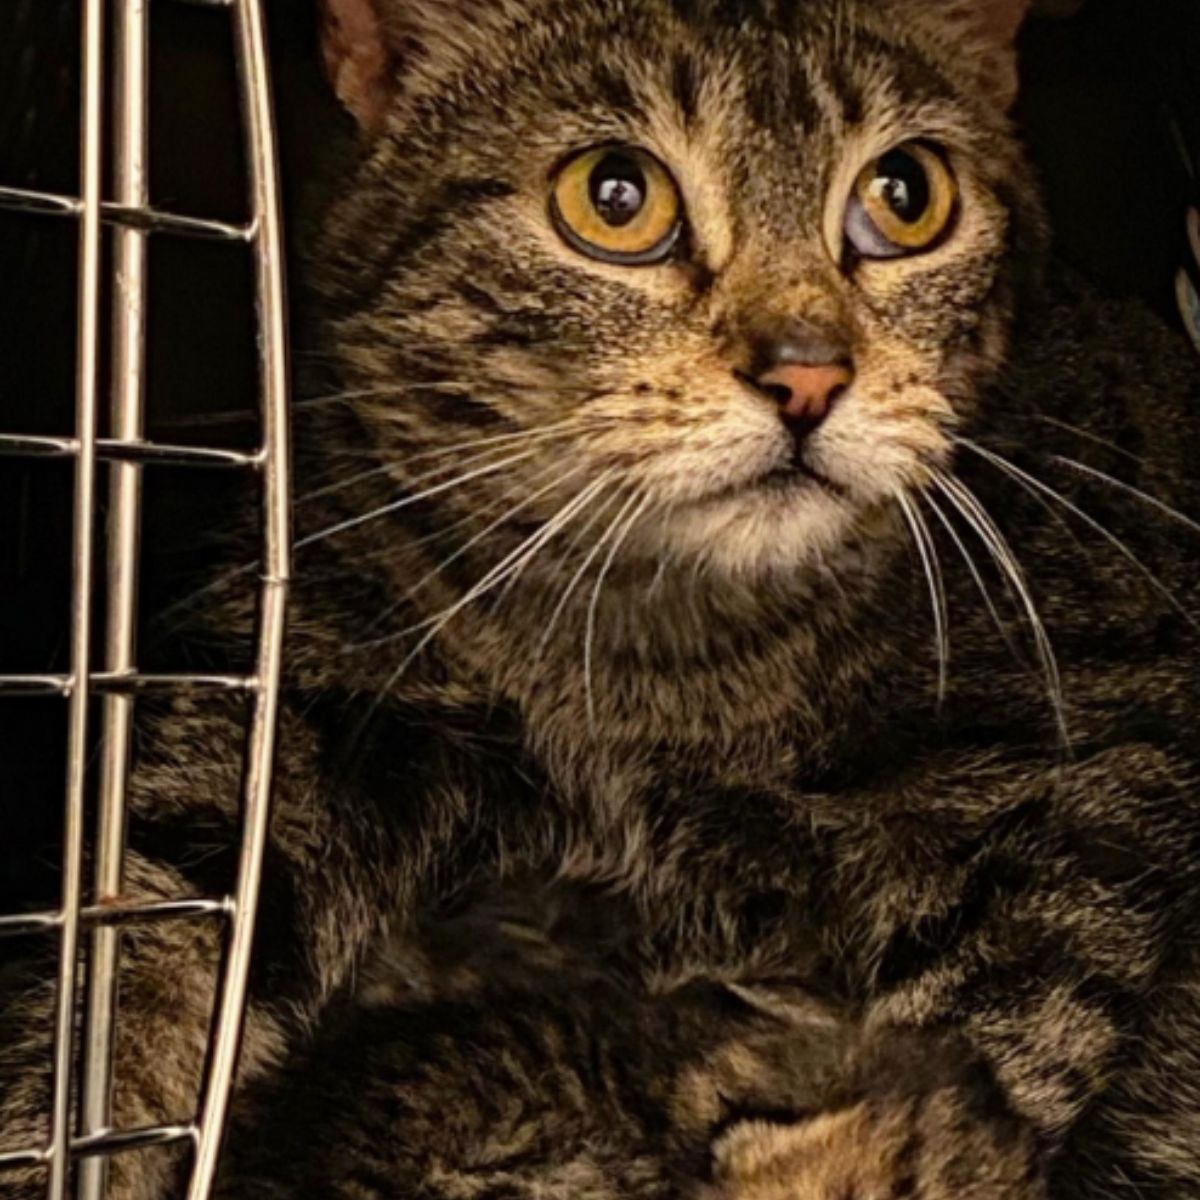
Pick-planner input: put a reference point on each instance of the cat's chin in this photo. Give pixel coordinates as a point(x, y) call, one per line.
point(782, 523)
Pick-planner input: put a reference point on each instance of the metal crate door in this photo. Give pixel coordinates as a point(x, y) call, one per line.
point(89, 930)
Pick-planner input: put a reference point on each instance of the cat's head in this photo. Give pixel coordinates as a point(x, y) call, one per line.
point(717, 277)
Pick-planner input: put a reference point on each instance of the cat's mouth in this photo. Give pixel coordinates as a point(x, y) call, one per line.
point(776, 519)
point(797, 474)
point(790, 479)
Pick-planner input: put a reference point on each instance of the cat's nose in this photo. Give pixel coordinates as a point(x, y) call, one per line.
point(804, 372)
point(805, 392)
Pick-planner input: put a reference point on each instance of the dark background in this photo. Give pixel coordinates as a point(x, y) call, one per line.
point(1096, 97)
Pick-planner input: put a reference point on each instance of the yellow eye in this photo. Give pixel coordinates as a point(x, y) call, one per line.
point(617, 204)
point(902, 203)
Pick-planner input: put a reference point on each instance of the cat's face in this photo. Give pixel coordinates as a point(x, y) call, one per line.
point(718, 277)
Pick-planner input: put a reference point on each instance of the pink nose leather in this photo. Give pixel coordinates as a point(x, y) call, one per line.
point(805, 393)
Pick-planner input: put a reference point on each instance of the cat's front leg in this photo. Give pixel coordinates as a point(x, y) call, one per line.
point(1033, 922)
point(914, 1117)
point(1045, 917)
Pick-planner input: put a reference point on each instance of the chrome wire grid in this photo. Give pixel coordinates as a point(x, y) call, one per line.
point(81, 1138)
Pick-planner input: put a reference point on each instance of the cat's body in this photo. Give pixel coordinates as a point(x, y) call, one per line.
point(719, 698)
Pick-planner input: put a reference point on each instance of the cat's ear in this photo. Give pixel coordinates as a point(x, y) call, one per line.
point(361, 56)
point(996, 24)
point(371, 46)
point(1000, 20)
point(981, 35)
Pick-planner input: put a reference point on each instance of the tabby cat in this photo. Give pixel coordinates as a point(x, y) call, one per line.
point(693, 370)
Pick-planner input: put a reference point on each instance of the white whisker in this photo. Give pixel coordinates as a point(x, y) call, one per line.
point(505, 440)
point(512, 561)
point(506, 516)
point(513, 579)
point(1087, 435)
point(666, 560)
point(590, 627)
point(575, 579)
point(434, 625)
point(659, 575)
point(570, 425)
point(1121, 485)
point(967, 504)
point(976, 574)
point(509, 512)
point(1035, 486)
point(937, 593)
point(396, 505)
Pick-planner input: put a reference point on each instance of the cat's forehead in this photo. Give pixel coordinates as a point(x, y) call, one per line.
point(785, 53)
point(768, 93)
point(764, 113)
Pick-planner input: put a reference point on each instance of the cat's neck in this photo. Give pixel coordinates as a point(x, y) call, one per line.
point(656, 661)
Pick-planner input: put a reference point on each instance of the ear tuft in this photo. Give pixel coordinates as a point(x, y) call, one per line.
point(358, 56)
point(984, 33)
point(1001, 20)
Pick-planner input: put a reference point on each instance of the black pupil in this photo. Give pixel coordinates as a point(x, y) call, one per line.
point(618, 189)
point(903, 183)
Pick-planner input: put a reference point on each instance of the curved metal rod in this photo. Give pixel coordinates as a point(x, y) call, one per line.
point(120, 680)
point(274, 388)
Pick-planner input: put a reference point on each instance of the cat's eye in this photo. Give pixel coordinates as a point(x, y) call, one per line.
point(618, 204)
point(903, 203)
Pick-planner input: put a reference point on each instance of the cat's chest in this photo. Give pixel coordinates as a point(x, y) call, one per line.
point(733, 854)
point(931, 868)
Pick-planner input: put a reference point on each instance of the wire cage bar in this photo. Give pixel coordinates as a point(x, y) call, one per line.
point(81, 1139)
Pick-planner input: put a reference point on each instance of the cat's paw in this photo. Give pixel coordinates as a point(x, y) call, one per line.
point(926, 1124)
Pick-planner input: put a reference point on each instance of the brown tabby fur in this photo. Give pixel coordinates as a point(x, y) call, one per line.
point(747, 746)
